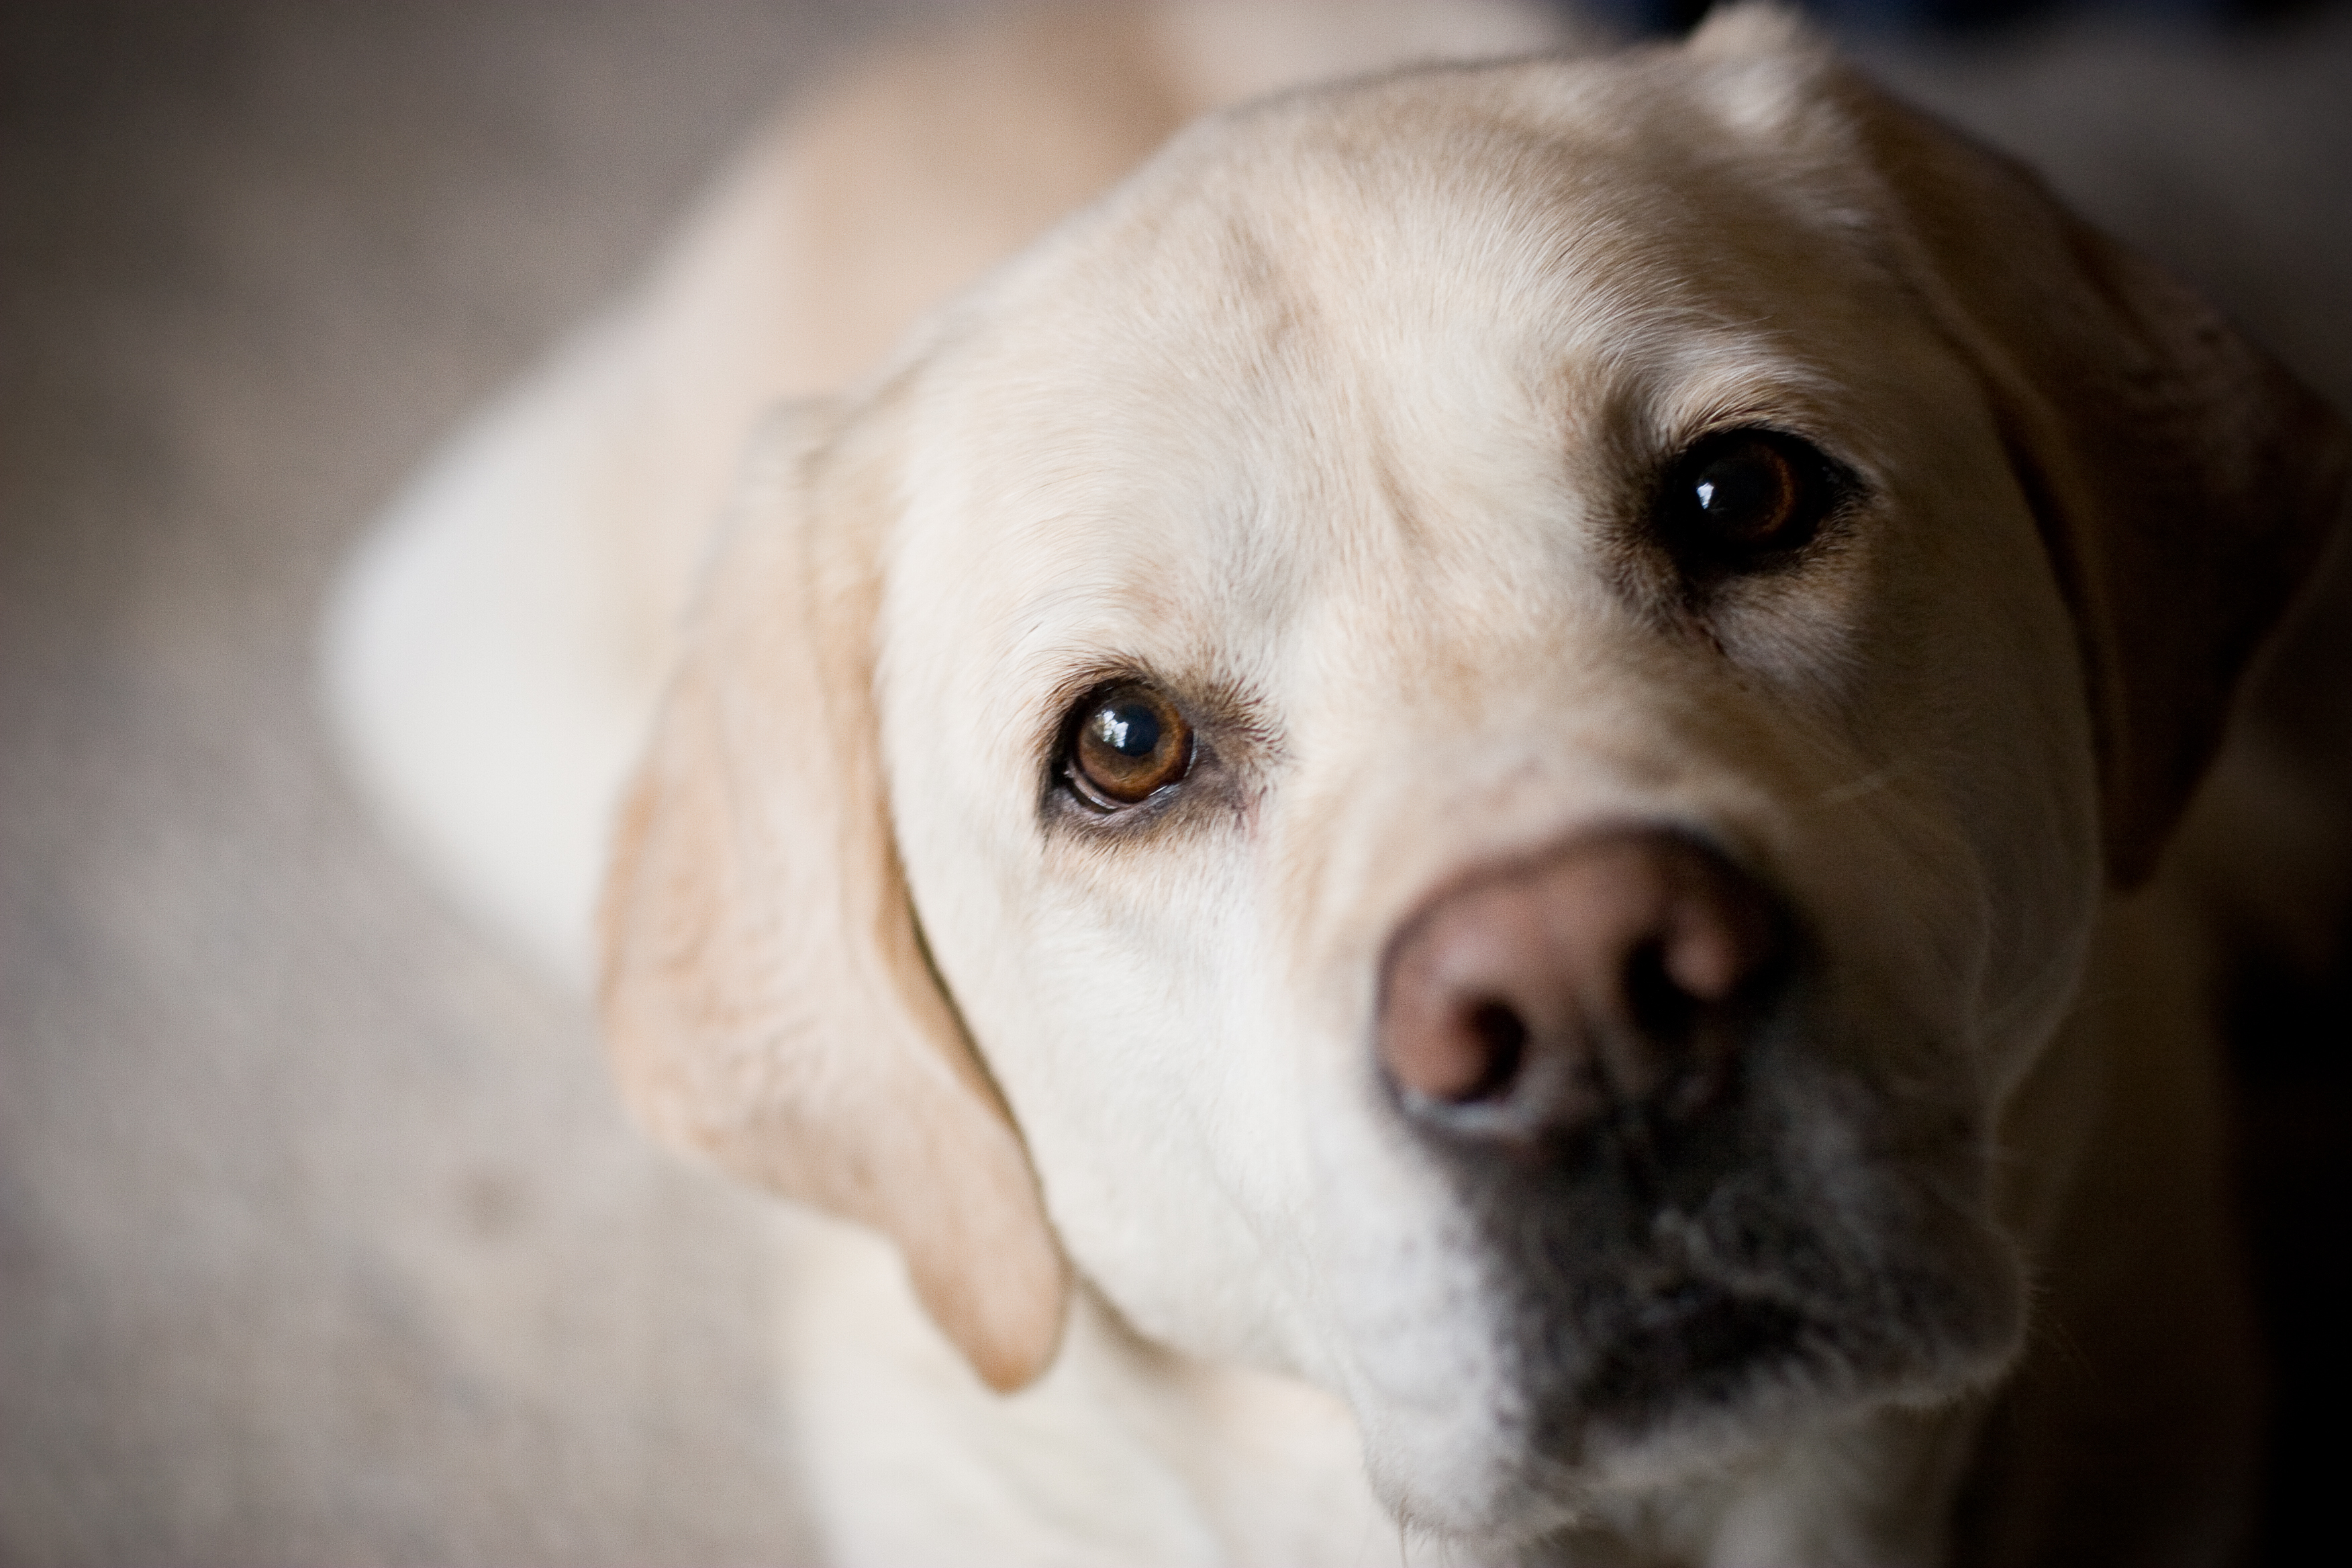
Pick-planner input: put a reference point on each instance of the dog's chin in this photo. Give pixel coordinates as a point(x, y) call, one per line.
point(1707, 1353)
point(1709, 1379)
point(1694, 1388)
point(1817, 1246)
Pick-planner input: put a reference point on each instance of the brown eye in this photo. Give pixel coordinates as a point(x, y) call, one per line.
point(1129, 741)
point(1736, 501)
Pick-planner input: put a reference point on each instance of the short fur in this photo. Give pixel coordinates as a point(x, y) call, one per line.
point(1341, 418)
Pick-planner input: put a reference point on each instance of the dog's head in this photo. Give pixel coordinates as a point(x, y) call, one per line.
point(1461, 743)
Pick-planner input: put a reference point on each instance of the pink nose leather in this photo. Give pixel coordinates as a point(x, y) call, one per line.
point(1616, 973)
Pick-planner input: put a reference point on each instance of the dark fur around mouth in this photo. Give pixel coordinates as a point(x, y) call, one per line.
point(1816, 1243)
point(1693, 1341)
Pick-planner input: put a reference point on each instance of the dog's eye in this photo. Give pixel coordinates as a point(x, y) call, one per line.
point(1736, 501)
point(1129, 743)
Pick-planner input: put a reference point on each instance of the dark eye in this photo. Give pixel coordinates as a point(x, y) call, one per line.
point(1129, 741)
point(1735, 502)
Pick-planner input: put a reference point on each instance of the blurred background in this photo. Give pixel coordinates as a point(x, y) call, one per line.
point(322, 1236)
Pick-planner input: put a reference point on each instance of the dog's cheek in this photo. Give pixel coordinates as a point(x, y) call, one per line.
point(1125, 1016)
point(1948, 819)
point(1418, 1342)
point(1997, 708)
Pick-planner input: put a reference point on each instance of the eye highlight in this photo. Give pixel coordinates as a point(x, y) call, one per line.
point(1740, 501)
point(1127, 742)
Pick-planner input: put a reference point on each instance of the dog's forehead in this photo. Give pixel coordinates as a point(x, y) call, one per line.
point(1358, 343)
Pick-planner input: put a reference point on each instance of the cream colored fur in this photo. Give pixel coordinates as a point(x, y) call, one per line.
point(541, 566)
point(1333, 411)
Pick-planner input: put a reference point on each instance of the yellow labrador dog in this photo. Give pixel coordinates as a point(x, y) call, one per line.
point(1449, 826)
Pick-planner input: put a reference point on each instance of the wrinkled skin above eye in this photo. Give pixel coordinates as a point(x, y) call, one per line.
point(1129, 743)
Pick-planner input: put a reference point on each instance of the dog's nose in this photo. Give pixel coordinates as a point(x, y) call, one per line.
point(1614, 978)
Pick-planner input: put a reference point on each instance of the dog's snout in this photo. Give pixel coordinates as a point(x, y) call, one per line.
point(1613, 979)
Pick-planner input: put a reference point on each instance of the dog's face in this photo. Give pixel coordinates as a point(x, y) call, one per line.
point(1488, 698)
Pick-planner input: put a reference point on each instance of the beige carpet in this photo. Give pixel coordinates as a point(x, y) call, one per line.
point(321, 1238)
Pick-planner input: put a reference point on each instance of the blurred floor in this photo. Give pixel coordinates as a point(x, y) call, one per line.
point(321, 1236)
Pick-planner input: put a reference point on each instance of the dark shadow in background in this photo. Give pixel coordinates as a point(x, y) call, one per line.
point(1958, 17)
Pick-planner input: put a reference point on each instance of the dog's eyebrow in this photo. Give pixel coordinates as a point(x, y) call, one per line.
point(1755, 386)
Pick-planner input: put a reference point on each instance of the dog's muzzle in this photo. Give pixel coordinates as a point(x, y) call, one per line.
point(1698, 1189)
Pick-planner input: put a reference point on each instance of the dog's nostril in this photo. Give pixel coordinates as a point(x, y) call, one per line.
point(1503, 1035)
point(1660, 1008)
point(1461, 1056)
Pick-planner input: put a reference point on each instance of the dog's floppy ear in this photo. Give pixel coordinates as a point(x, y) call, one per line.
point(766, 991)
point(2185, 483)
